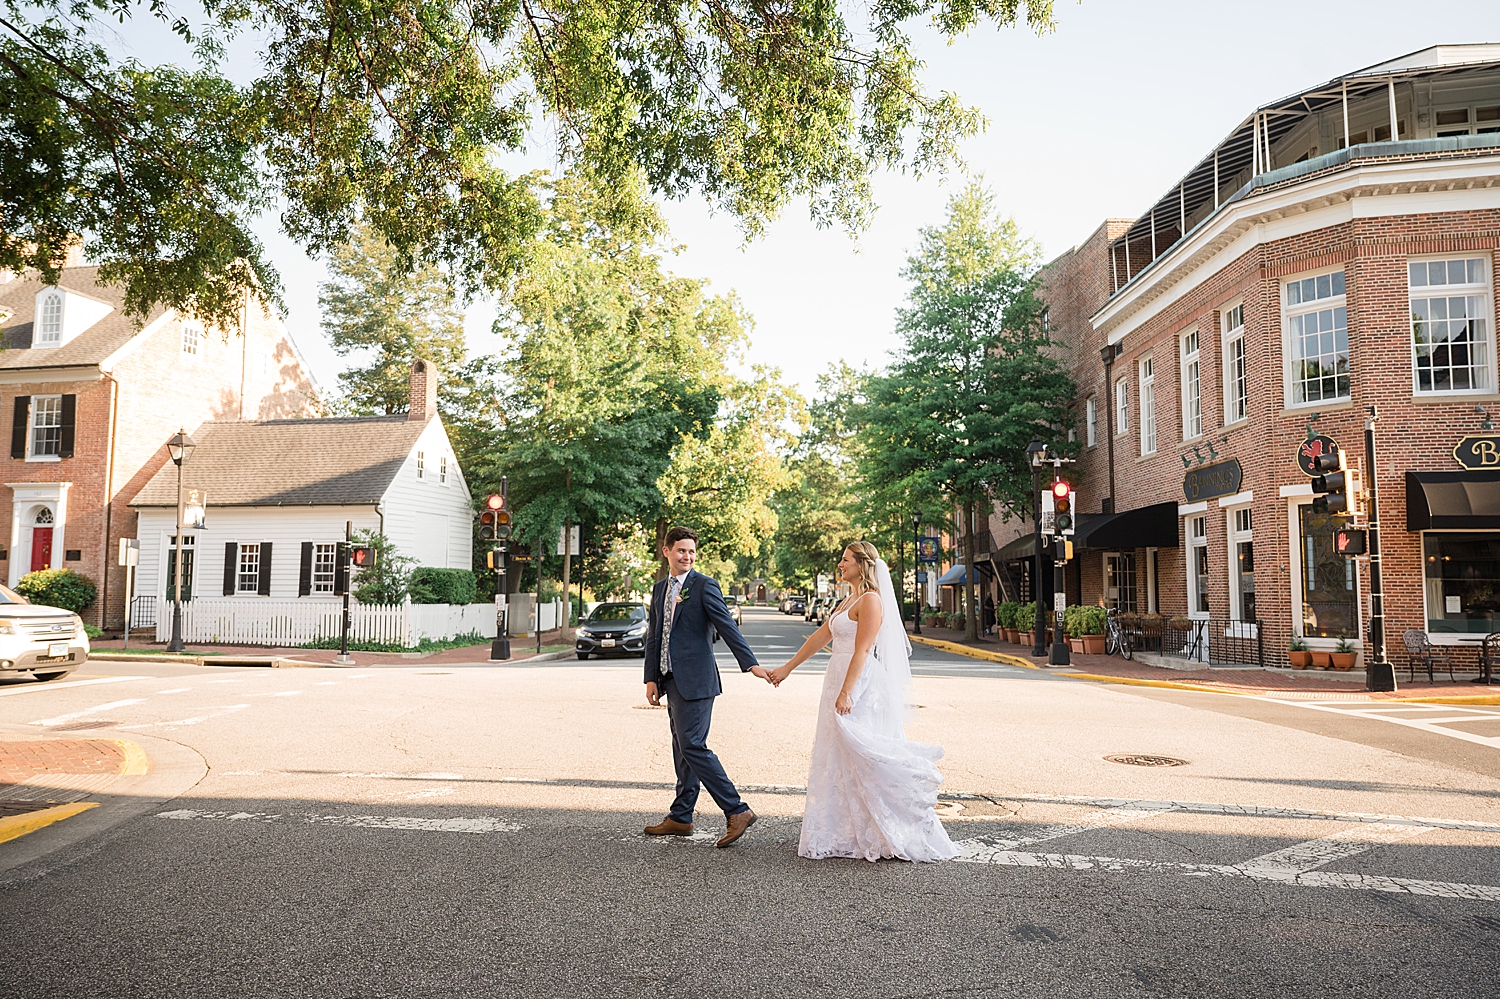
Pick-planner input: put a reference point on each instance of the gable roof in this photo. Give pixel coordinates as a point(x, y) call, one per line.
point(340, 461)
point(92, 346)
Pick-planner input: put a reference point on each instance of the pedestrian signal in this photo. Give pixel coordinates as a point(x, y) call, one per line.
point(347, 556)
point(495, 559)
point(1062, 507)
point(1330, 489)
point(1348, 541)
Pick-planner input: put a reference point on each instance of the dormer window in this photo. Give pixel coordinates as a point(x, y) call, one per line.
point(49, 323)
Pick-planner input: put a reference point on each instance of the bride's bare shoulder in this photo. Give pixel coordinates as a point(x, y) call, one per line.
point(868, 602)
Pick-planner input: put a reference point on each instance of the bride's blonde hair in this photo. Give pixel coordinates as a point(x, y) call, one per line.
point(865, 554)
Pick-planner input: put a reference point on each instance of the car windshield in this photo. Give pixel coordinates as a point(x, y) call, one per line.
point(10, 596)
point(618, 612)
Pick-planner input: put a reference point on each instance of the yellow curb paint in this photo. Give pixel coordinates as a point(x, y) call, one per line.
point(17, 826)
point(136, 762)
point(1460, 699)
point(972, 653)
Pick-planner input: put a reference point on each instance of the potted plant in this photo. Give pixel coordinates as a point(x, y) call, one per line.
point(1343, 654)
point(1074, 625)
point(1322, 659)
point(1092, 620)
point(1026, 623)
point(956, 622)
point(1006, 615)
point(1297, 653)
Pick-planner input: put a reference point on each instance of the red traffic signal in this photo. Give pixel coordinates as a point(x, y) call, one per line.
point(1062, 506)
point(1061, 489)
point(494, 501)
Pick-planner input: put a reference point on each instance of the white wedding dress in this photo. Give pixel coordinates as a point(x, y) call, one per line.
point(870, 792)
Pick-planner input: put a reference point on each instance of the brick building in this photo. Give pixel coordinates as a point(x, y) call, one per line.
point(1306, 269)
point(93, 394)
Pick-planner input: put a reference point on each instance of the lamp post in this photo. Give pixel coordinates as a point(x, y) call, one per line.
point(1379, 674)
point(916, 558)
point(1038, 453)
point(178, 448)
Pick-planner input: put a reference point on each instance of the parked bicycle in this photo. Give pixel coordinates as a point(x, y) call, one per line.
point(1116, 638)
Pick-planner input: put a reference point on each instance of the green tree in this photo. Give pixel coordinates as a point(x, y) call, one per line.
point(975, 379)
point(396, 114)
point(376, 306)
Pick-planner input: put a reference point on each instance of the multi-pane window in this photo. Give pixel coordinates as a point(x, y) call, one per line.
point(248, 578)
point(1236, 373)
point(46, 425)
point(323, 567)
point(1467, 120)
point(1122, 406)
point(1119, 581)
point(1242, 565)
point(1148, 405)
point(1450, 328)
point(421, 464)
point(443, 469)
point(1197, 531)
point(1192, 388)
point(1317, 333)
point(49, 323)
point(1091, 420)
point(192, 336)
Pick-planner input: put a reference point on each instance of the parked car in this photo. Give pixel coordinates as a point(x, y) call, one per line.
point(821, 609)
point(734, 609)
point(813, 606)
point(44, 642)
point(612, 629)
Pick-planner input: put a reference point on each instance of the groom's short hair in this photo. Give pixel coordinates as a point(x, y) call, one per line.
point(677, 534)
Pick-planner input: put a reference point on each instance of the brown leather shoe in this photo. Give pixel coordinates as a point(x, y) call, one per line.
point(670, 827)
point(736, 826)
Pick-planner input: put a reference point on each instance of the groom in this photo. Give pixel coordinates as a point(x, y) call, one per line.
point(686, 609)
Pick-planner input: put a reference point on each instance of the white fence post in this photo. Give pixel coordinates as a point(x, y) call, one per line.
point(290, 623)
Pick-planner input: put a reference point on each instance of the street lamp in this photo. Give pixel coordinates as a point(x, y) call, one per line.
point(179, 448)
point(1037, 451)
point(916, 537)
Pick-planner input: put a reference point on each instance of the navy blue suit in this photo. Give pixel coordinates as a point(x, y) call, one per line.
point(693, 684)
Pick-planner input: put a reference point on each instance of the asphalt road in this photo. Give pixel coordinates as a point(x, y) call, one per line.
point(444, 831)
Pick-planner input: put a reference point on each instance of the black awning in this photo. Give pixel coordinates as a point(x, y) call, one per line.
point(1152, 526)
point(1022, 547)
point(1453, 501)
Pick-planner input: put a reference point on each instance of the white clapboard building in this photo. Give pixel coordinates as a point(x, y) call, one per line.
point(280, 494)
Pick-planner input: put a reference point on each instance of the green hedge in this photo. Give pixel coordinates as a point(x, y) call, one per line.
point(1006, 614)
point(1084, 620)
point(442, 586)
point(58, 588)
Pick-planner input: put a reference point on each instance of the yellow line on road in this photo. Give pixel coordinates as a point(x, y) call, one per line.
point(16, 826)
point(1001, 657)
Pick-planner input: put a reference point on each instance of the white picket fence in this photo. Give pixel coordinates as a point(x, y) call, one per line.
point(290, 623)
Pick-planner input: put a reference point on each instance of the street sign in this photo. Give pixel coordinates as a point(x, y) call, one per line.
point(561, 540)
point(927, 550)
point(921, 575)
point(130, 551)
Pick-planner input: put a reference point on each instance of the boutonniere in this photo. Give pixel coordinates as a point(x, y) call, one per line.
point(686, 592)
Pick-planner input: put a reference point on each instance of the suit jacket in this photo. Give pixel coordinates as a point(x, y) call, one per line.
point(699, 613)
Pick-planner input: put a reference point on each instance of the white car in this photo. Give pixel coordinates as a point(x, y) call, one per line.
point(43, 642)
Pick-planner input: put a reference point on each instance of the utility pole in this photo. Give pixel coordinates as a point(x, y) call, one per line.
point(1038, 453)
point(342, 565)
point(1379, 674)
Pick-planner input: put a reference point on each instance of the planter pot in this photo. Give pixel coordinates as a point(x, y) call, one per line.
point(1299, 660)
point(1028, 638)
point(1343, 661)
point(1013, 635)
point(1093, 645)
point(1322, 660)
point(1075, 644)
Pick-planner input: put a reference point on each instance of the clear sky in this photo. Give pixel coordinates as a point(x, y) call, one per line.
point(1095, 120)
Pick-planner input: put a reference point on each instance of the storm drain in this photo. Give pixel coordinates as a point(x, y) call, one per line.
point(1138, 760)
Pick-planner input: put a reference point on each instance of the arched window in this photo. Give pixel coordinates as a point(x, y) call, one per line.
point(49, 319)
point(44, 516)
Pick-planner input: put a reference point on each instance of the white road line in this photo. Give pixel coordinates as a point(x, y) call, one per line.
point(175, 690)
point(34, 688)
point(435, 775)
point(1288, 863)
point(60, 719)
point(1421, 724)
point(1102, 819)
point(402, 822)
point(1262, 811)
point(196, 719)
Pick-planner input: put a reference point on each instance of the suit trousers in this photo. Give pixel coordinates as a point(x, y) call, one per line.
point(696, 764)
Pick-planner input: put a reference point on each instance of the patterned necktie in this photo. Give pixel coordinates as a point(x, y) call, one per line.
point(666, 625)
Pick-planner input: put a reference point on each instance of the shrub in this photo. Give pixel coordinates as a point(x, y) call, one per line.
point(1006, 614)
point(430, 585)
point(1084, 620)
point(1026, 617)
point(58, 588)
point(386, 582)
point(1094, 620)
point(955, 621)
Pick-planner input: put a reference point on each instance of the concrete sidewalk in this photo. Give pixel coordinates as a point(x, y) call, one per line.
point(1270, 682)
point(522, 649)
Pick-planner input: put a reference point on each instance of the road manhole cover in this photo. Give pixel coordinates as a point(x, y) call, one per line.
point(1139, 760)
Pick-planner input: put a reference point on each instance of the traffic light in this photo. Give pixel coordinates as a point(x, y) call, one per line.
point(1348, 541)
point(489, 518)
point(1062, 507)
point(1330, 490)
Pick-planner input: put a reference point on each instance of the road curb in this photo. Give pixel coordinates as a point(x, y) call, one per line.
point(16, 826)
point(1129, 681)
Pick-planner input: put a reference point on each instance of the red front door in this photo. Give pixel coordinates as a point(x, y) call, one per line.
point(41, 548)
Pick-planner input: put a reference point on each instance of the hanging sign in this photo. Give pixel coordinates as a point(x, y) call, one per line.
point(1207, 481)
point(927, 549)
point(1311, 450)
point(1481, 451)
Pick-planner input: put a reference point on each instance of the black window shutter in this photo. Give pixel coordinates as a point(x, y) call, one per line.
point(18, 426)
point(265, 569)
point(231, 563)
point(304, 581)
point(69, 418)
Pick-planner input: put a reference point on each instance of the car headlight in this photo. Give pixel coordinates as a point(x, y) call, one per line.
point(585, 632)
point(9, 626)
point(636, 632)
point(78, 624)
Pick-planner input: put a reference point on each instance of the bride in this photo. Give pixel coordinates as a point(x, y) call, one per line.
point(870, 792)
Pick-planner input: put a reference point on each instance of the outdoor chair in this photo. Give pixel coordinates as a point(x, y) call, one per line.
point(1419, 650)
point(1489, 656)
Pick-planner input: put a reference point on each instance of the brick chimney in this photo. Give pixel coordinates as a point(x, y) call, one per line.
point(423, 391)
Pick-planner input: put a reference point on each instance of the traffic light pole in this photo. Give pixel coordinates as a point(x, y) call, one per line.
point(1059, 655)
point(343, 656)
point(1039, 625)
point(1379, 674)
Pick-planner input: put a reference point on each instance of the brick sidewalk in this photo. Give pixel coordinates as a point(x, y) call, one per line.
point(1309, 684)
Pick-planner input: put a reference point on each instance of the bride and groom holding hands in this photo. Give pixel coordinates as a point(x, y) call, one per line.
point(870, 791)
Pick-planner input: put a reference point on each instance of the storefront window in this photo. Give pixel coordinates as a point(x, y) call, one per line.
point(1463, 582)
point(1197, 531)
point(1330, 604)
point(1120, 581)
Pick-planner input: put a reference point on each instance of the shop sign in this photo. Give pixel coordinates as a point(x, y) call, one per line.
point(927, 549)
point(921, 575)
point(1208, 481)
point(1311, 450)
point(1481, 451)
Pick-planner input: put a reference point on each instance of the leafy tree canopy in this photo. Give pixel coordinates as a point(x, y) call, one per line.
point(397, 114)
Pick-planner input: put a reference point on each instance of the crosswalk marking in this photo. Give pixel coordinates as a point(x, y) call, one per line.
point(96, 709)
point(399, 822)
